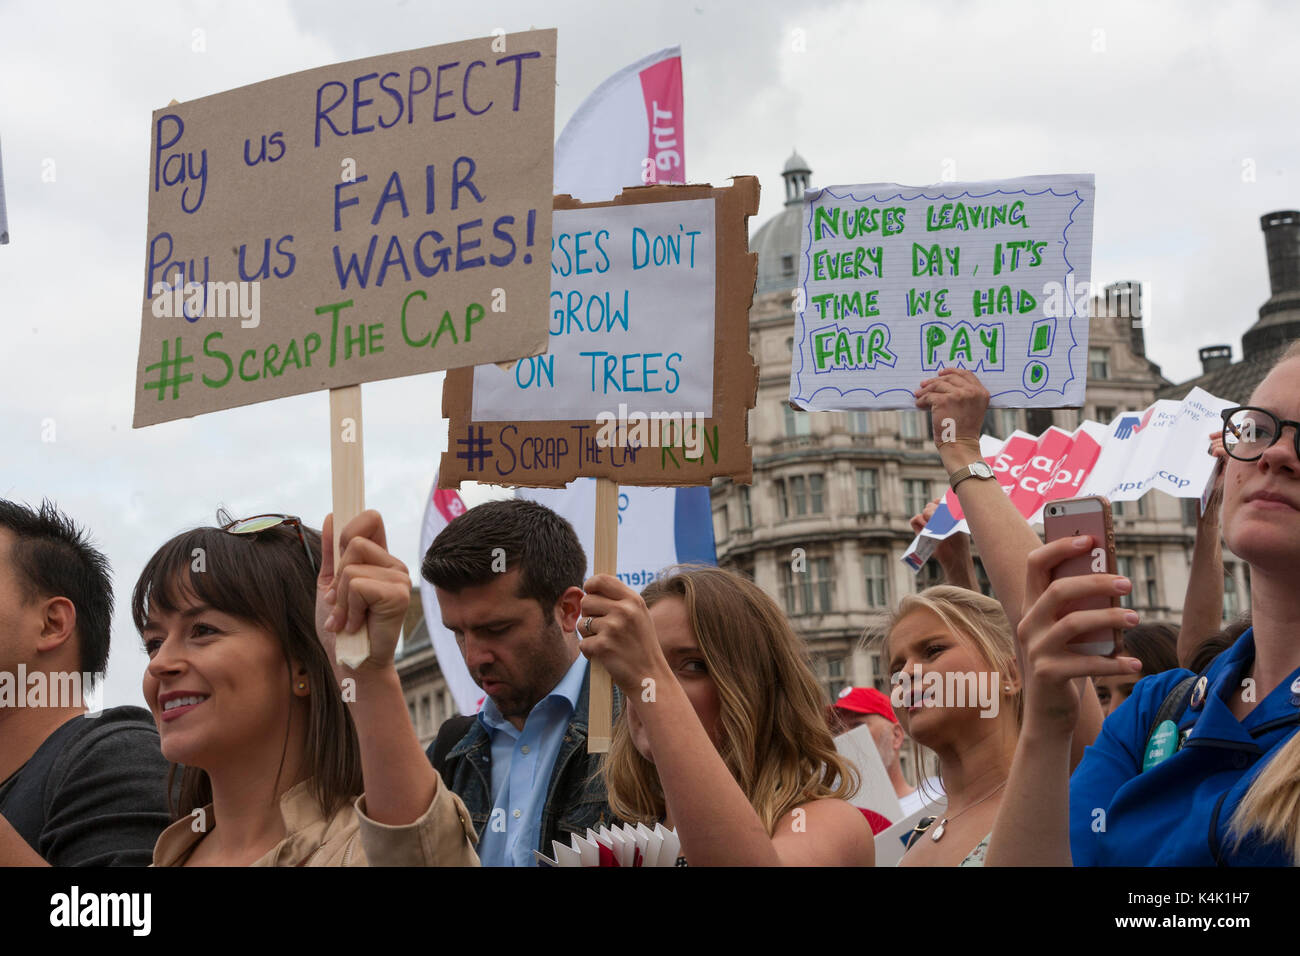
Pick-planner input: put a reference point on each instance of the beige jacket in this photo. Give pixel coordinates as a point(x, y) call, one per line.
point(442, 837)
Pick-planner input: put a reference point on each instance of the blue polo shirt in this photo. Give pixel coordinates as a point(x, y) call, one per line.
point(522, 762)
point(1177, 812)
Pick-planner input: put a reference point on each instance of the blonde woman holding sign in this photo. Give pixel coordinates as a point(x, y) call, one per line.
point(275, 742)
point(723, 737)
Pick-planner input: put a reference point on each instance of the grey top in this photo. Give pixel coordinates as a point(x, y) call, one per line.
point(103, 797)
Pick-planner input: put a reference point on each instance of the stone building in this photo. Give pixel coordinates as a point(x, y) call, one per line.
point(837, 488)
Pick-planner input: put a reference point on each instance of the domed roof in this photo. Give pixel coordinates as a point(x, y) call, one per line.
point(778, 240)
point(777, 243)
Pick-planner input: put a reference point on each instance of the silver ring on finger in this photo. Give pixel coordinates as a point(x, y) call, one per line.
point(586, 628)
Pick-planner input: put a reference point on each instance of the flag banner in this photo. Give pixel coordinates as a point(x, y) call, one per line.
point(443, 506)
point(628, 132)
point(1163, 447)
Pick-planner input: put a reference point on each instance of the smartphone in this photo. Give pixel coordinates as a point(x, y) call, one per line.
point(1070, 518)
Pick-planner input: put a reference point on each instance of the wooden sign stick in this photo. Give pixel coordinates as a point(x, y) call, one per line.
point(347, 468)
point(604, 561)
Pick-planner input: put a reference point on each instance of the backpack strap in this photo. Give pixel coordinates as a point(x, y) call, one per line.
point(24, 805)
point(1172, 707)
point(452, 731)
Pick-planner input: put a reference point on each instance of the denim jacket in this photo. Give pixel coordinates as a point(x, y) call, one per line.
point(575, 796)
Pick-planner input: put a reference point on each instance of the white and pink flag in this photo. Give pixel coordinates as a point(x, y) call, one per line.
point(444, 505)
point(1163, 447)
point(628, 132)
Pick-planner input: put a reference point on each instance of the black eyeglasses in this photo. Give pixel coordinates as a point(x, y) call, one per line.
point(1248, 432)
point(265, 522)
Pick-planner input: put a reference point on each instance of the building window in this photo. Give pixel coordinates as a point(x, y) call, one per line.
point(873, 566)
point(916, 495)
point(1124, 565)
point(746, 511)
point(792, 495)
point(1098, 363)
point(1149, 565)
point(868, 491)
point(929, 575)
point(909, 424)
point(798, 494)
point(1008, 421)
point(1039, 420)
point(1191, 512)
point(830, 674)
point(821, 584)
point(858, 423)
point(797, 423)
point(816, 486)
point(982, 578)
point(410, 706)
point(809, 591)
point(787, 265)
point(1105, 414)
point(1118, 508)
point(426, 718)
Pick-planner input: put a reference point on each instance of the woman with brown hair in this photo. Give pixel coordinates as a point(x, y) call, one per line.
point(723, 736)
point(275, 740)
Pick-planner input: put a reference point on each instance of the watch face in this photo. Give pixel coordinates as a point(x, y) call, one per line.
point(981, 470)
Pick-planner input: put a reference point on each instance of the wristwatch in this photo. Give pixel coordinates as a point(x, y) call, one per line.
point(977, 469)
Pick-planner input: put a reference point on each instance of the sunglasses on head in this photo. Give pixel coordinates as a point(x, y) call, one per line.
point(259, 523)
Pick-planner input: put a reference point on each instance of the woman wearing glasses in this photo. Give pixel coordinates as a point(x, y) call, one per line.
point(1192, 770)
point(271, 740)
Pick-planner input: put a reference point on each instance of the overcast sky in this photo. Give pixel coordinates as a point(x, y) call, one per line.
point(1184, 111)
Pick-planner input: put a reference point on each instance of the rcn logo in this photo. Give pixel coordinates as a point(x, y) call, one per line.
point(1130, 425)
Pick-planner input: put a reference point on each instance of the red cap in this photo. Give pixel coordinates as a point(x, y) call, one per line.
point(866, 700)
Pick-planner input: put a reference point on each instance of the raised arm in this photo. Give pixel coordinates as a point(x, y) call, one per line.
point(1203, 604)
point(371, 586)
point(711, 814)
point(1033, 822)
point(957, 403)
point(952, 553)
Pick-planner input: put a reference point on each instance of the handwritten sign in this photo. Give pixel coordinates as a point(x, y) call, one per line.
point(897, 282)
point(649, 379)
point(360, 221)
point(616, 273)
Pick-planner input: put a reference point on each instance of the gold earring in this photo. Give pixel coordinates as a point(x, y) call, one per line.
point(302, 685)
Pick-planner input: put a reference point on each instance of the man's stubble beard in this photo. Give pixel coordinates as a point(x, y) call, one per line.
point(524, 698)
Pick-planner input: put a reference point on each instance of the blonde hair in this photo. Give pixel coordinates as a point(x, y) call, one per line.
point(772, 729)
point(972, 615)
point(1271, 807)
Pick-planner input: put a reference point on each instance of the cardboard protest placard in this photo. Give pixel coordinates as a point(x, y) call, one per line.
point(360, 221)
point(648, 379)
point(897, 282)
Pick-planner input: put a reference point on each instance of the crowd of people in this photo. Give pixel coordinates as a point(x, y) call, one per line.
point(257, 748)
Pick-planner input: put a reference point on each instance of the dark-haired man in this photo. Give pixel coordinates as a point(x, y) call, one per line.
point(508, 577)
point(74, 791)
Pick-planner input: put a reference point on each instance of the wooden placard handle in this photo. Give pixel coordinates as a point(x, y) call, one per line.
point(604, 561)
point(347, 468)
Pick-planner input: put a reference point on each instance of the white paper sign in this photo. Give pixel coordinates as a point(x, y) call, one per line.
point(897, 282)
point(631, 319)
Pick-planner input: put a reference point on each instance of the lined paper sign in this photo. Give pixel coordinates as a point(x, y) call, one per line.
point(897, 282)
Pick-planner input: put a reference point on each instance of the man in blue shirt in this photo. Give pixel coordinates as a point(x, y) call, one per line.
point(508, 575)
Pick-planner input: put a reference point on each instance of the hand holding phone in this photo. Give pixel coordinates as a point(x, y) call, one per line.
point(1070, 518)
